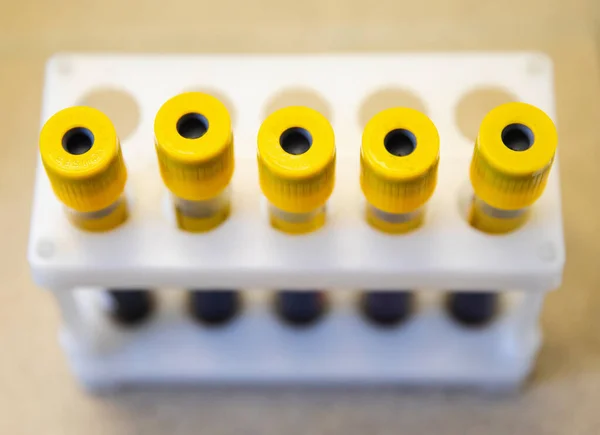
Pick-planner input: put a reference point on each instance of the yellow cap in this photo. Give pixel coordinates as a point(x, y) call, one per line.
point(296, 159)
point(194, 144)
point(82, 157)
point(399, 160)
point(513, 155)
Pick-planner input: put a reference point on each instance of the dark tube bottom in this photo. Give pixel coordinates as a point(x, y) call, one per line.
point(387, 308)
point(300, 308)
point(130, 307)
point(214, 307)
point(473, 308)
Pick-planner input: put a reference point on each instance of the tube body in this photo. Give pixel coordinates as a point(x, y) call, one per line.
point(399, 162)
point(296, 163)
point(194, 145)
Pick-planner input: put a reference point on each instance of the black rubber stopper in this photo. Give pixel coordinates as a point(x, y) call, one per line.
point(387, 308)
point(517, 137)
point(78, 140)
point(295, 141)
point(214, 307)
point(192, 126)
point(300, 308)
point(473, 308)
point(131, 307)
point(400, 142)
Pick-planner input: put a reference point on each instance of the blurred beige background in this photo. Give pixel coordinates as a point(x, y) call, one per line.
point(37, 393)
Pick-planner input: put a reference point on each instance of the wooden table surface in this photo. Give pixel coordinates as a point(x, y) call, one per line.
point(38, 394)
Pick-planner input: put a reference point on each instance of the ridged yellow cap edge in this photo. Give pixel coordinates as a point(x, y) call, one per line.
point(89, 181)
point(508, 179)
point(200, 168)
point(296, 183)
point(399, 184)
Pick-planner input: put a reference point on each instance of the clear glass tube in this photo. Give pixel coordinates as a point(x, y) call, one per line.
point(201, 216)
point(297, 223)
point(394, 223)
point(493, 220)
point(100, 220)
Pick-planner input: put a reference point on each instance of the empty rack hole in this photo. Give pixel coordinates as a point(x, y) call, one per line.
point(120, 106)
point(299, 96)
point(78, 140)
point(388, 98)
point(474, 105)
point(295, 140)
point(517, 137)
point(400, 142)
point(192, 126)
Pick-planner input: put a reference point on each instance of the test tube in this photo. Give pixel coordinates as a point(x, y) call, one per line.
point(296, 162)
point(82, 156)
point(194, 145)
point(399, 162)
point(513, 155)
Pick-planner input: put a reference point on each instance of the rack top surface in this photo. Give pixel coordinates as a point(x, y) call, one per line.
point(446, 253)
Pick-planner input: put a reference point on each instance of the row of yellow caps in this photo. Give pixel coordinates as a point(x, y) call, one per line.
point(296, 154)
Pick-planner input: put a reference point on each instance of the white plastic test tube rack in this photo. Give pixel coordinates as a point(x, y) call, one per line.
point(345, 257)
